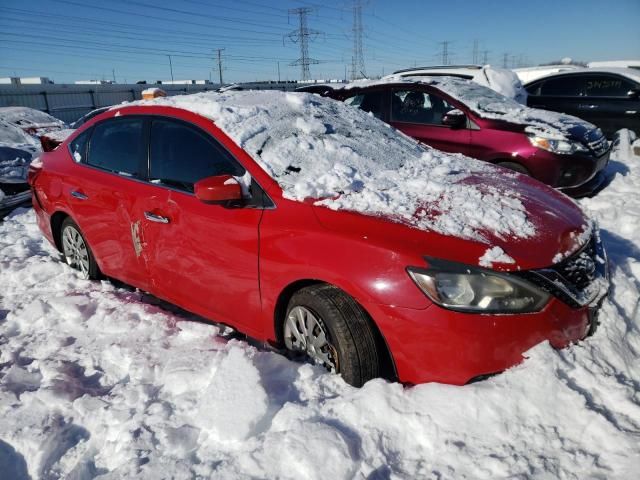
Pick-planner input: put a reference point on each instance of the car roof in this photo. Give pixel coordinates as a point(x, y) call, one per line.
point(629, 73)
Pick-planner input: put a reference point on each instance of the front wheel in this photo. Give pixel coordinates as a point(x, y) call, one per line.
point(332, 330)
point(76, 251)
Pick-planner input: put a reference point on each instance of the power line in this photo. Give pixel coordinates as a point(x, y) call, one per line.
point(301, 36)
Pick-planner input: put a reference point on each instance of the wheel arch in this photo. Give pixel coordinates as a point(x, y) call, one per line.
point(56, 224)
point(387, 363)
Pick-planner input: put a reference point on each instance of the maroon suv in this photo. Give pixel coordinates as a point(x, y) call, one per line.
point(457, 115)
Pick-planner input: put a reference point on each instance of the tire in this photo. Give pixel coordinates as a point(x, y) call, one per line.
point(76, 251)
point(516, 167)
point(350, 346)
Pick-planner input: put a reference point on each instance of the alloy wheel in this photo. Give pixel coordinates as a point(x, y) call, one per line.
point(306, 332)
point(75, 250)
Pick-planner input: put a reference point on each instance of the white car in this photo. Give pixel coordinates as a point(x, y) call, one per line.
point(501, 80)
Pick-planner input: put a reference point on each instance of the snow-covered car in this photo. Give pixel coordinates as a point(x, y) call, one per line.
point(459, 116)
point(309, 224)
point(20, 132)
point(502, 80)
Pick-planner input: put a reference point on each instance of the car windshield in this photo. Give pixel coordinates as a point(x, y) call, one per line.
point(478, 98)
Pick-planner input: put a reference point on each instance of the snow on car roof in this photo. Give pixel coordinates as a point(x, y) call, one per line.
point(28, 117)
point(318, 148)
point(630, 73)
point(490, 104)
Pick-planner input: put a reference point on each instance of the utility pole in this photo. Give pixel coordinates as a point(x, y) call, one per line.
point(113, 70)
point(357, 58)
point(170, 67)
point(475, 52)
point(301, 36)
point(445, 52)
point(278, 72)
point(220, 50)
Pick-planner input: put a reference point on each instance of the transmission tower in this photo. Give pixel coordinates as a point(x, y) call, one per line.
point(301, 36)
point(357, 59)
point(445, 52)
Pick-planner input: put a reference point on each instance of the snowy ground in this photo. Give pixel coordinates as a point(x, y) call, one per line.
point(97, 380)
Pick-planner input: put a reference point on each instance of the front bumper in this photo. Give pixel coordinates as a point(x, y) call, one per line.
point(439, 345)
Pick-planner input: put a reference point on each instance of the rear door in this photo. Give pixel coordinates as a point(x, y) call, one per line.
point(419, 114)
point(608, 102)
point(101, 193)
point(201, 256)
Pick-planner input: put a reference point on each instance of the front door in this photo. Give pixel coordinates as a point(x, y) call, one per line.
point(203, 257)
point(419, 114)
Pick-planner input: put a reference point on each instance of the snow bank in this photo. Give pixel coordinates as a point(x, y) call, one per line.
point(99, 380)
point(346, 159)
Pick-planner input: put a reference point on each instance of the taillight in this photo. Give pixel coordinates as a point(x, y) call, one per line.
point(35, 167)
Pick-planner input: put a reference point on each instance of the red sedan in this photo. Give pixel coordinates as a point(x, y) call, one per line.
point(311, 225)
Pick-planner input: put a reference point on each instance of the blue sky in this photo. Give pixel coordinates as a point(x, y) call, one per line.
point(69, 40)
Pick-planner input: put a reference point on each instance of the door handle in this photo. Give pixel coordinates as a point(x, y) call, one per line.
point(78, 195)
point(152, 217)
point(585, 106)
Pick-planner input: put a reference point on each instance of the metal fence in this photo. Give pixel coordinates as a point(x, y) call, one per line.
point(70, 102)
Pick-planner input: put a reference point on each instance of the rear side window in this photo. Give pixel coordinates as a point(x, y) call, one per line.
point(569, 86)
point(116, 145)
point(369, 102)
point(78, 147)
point(180, 155)
point(607, 86)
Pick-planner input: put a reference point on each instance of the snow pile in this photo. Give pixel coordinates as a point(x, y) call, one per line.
point(100, 380)
point(494, 255)
point(322, 149)
point(503, 81)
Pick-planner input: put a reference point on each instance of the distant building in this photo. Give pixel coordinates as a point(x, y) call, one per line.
point(35, 81)
point(25, 81)
point(93, 82)
point(184, 82)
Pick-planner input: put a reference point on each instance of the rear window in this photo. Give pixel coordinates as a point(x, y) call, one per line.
point(116, 146)
point(78, 147)
point(607, 86)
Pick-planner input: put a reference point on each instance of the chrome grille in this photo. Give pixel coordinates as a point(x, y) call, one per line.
point(579, 280)
point(599, 146)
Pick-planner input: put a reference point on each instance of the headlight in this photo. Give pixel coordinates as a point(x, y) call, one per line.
point(469, 289)
point(563, 147)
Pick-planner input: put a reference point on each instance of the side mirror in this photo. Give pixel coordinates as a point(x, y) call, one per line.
point(634, 93)
point(454, 118)
point(218, 189)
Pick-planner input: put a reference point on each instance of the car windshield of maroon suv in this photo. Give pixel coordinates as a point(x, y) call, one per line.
point(313, 226)
point(457, 115)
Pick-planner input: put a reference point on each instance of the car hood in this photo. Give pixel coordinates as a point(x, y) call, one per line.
point(560, 226)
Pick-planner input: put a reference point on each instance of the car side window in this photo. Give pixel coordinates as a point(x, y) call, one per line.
point(116, 145)
point(607, 86)
point(78, 147)
point(568, 86)
point(180, 155)
point(418, 107)
point(369, 102)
